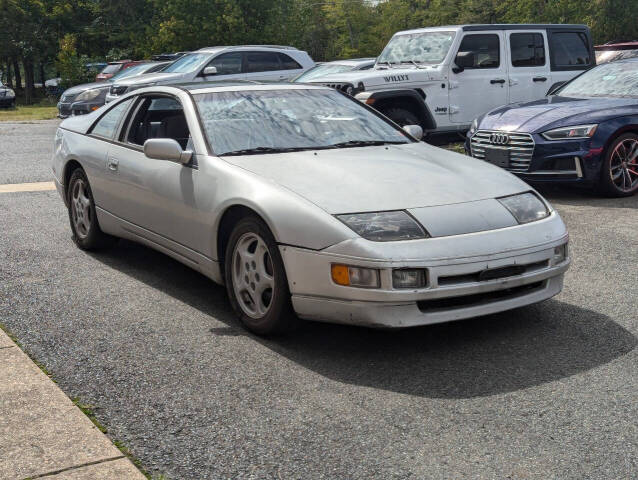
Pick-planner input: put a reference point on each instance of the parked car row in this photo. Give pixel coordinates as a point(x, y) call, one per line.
point(7, 96)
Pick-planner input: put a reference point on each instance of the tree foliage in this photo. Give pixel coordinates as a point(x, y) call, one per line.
point(31, 31)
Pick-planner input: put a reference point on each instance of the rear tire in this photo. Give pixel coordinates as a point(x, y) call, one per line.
point(619, 173)
point(84, 224)
point(256, 279)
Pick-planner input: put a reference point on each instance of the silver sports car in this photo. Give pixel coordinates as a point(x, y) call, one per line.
point(303, 201)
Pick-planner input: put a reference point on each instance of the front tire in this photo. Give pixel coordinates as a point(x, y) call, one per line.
point(619, 175)
point(84, 224)
point(256, 279)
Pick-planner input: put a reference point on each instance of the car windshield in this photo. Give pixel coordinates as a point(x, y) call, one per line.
point(428, 47)
point(187, 63)
point(616, 79)
point(604, 56)
point(272, 121)
point(321, 70)
point(112, 68)
point(131, 71)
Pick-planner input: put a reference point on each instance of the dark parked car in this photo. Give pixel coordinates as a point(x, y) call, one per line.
point(585, 133)
point(610, 52)
point(7, 96)
point(115, 67)
point(87, 97)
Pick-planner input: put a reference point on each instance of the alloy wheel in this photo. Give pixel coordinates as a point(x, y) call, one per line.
point(81, 209)
point(253, 275)
point(623, 166)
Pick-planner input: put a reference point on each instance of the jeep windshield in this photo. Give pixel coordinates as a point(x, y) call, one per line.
point(427, 47)
point(247, 122)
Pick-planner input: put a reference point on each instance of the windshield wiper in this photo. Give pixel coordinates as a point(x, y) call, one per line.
point(413, 62)
point(259, 150)
point(364, 143)
point(389, 64)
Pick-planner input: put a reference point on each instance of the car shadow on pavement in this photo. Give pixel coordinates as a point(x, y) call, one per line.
point(572, 195)
point(485, 356)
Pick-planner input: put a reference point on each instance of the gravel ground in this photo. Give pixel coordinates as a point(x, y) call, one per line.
point(546, 391)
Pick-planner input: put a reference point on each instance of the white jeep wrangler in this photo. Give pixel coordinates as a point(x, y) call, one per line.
point(442, 78)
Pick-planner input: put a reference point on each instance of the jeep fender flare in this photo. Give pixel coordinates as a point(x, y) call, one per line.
point(410, 99)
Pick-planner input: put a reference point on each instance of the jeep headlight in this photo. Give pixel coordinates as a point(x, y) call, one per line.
point(10, 93)
point(525, 207)
point(89, 95)
point(568, 133)
point(384, 226)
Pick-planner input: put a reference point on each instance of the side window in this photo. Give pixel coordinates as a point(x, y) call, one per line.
point(262, 62)
point(569, 49)
point(107, 125)
point(528, 49)
point(159, 117)
point(288, 63)
point(483, 48)
point(227, 63)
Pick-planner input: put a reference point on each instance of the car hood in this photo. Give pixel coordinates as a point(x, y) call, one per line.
point(368, 179)
point(156, 78)
point(556, 111)
point(84, 87)
point(385, 77)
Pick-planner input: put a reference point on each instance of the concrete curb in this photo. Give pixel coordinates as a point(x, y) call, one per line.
point(43, 434)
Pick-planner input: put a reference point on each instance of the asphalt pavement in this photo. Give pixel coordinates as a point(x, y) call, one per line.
point(546, 391)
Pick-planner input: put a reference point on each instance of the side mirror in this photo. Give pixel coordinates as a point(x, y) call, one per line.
point(414, 130)
point(552, 90)
point(463, 60)
point(166, 149)
point(209, 71)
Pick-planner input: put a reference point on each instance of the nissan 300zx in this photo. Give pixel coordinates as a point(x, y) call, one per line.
point(308, 204)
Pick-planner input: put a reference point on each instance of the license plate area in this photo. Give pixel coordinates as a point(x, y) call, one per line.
point(498, 156)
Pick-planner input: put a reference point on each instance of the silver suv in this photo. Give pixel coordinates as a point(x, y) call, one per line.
point(246, 62)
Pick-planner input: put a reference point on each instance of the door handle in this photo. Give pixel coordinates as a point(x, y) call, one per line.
point(539, 79)
point(497, 80)
point(112, 164)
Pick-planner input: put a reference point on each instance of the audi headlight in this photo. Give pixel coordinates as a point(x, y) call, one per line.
point(89, 95)
point(568, 133)
point(525, 207)
point(384, 226)
point(474, 127)
point(10, 93)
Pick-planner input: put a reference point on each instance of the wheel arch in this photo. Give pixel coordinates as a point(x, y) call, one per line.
point(69, 167)
point(231, 215)
point(411, 100)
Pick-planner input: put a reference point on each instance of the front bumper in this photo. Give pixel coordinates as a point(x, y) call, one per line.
point(571, 161)
point(7, 102)
point(453, 291)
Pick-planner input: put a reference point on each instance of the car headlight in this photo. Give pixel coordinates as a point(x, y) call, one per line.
point(525, 207)
point(474, 127)
point(567, 133)
point(89, 95)
point(10, 93)
point(384, 226)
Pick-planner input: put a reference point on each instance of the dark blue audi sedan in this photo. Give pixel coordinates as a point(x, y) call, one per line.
point(586, 132)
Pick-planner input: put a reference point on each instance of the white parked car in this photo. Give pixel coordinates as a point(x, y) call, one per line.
point(247, 62)
point(301, 199)
point(443, 78)
point(338, 66)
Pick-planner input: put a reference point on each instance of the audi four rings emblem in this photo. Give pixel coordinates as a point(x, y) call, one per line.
point(499, 138)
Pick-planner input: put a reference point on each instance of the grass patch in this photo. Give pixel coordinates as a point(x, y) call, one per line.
point(455, 147)
point(88, 411)
point(44, 110)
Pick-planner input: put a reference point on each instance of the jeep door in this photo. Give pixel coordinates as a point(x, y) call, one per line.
point(529, 73)
point(482, 84)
